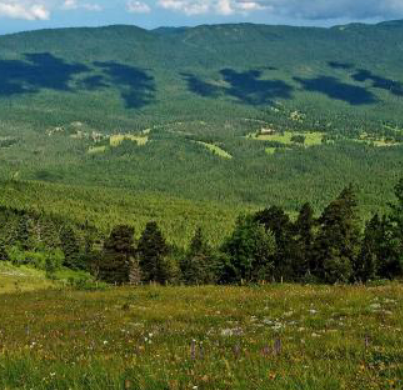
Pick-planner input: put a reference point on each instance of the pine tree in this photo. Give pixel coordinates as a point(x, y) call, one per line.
point(197, 266)
point(249, 252)
point(118, 255)
point(70, 248)
point(152, 252)
point(338, 243)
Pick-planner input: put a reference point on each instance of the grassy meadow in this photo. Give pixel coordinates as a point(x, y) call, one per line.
point(269, 337)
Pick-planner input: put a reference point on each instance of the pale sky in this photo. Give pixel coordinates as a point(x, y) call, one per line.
point(21, 15)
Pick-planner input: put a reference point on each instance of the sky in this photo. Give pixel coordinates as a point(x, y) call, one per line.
point(23, 15)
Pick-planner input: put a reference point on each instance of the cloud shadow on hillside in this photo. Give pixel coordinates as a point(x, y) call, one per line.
point(38, 71)
point(247, 87)
point(335, 89)
point(137, 88)
point(340, 65)
point(380, 82)
point(200, 87)
point(92, 83)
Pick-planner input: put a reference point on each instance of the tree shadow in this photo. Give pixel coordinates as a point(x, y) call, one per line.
point(39, 71)
point(136, 86)
point(380, 82)
point(335, 89)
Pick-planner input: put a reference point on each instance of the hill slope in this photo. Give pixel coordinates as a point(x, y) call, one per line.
point(179, 111)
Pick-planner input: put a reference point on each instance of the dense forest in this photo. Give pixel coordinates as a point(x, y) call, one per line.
point(264, 246)
point(234, 115)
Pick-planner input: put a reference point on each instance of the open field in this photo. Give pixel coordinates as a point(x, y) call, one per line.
point(215, 150)
point(21, 279)
point(272, 337)
point(285, 138)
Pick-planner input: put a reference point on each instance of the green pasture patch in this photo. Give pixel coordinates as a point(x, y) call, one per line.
point(19, 279)
point(285, 138)
point(215, 150)
point(270, 150)
point(96, 149)
point(116, 139)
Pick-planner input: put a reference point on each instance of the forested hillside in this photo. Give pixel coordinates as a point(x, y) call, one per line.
point(244, 114)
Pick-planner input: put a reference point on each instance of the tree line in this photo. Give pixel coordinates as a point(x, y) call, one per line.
point(268, 246)
point(264, 246)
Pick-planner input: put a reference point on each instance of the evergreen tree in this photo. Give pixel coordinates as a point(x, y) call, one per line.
point(3, 250)
point(22, 234)
point(338, 243)
point(118, 255)
point(396, 219)
point(277, 221)
point(249, 251)
point(70, 248)
point(367, 263)
point(152, 252)
point(197, 266)
point(388, 250)
point(397, 211)
point(304, 237)
point(380, 255)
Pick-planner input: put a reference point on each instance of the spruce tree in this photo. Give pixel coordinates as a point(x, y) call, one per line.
point(22, 234)
point(197, 266)
point(396, 219)
point(152, 253)
point(368, 262)
point(70, 248)
point(277, 221)
point(304, 237)
point(338, 243)
point(3, 250)
point(388, 250)
point(117, 256)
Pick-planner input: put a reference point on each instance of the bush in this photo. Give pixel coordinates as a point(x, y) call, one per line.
point(87, 284)
point(49, 261)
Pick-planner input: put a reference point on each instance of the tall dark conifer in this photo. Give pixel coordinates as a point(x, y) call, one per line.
point(152, 254)
point(278, 222)
point(118, 255)
point(70, 248)
point(338, 243)
point(304, 236)
point(197, 266)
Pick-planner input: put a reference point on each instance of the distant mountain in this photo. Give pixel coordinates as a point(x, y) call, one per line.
point(126, 71)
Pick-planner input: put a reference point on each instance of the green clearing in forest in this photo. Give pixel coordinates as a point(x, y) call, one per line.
point(285, 138)
point(117, 139)
point(215, 150)
point(96, 149)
